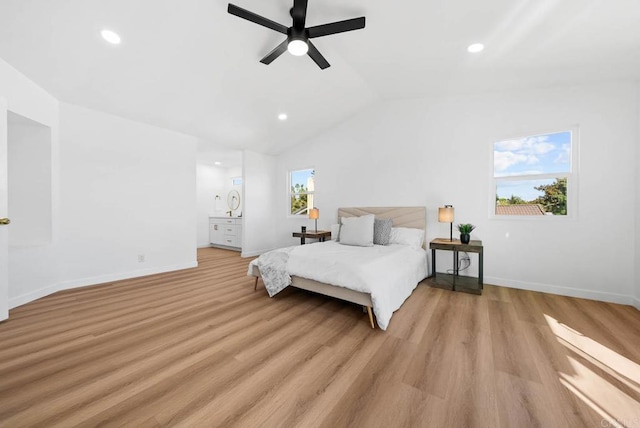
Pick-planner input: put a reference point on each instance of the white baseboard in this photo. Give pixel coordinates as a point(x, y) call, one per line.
point(636, 303)
point(255, 253)
point(84, 282)
point(564, 291)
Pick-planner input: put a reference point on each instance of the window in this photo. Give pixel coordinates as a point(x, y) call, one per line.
point(236, 181)
point(301, 184)
point(535, 175)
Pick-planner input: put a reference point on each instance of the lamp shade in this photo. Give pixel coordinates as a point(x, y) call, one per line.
point(445, 214)
point(314, 213)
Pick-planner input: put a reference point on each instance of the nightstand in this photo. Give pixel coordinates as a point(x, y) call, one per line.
point(455, 281)
point(320, 235)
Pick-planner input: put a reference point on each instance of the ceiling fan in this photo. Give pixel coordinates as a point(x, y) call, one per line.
point(297, 42)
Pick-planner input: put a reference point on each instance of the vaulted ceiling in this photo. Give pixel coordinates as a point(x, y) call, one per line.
point(189, 66)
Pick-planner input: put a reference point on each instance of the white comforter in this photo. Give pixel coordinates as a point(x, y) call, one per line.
point(389, 273)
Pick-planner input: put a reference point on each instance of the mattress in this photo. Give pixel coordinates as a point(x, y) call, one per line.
point(388, 273)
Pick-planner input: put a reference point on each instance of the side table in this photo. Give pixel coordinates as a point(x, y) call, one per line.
point(457, 282)
point(320, 235)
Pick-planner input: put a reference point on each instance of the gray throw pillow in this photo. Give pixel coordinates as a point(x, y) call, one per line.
point(382, 231)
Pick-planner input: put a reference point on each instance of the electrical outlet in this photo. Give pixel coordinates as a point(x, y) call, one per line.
point(140, 258)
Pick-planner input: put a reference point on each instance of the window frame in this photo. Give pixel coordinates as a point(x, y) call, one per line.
point(308, 193)
point(571, 176)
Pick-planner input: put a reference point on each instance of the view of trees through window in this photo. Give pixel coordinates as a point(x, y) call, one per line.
point(301, 193)
point(552, 200)
point(531, 174)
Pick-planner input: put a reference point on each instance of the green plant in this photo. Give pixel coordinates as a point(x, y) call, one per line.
point(465, 228)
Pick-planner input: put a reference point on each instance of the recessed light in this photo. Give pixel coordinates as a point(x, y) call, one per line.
point(110, 37)
point(217, 163)
point(282, 116)
point(476, 47)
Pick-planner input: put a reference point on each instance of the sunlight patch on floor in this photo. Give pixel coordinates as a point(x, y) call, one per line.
point(616, 406)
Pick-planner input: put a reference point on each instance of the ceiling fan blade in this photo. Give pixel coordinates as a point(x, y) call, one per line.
point(299, 14)
point(279, 50)
point(317, 57)
point(250, 16)
point(336, 27)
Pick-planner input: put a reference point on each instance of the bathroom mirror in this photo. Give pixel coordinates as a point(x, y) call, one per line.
point(233, 200)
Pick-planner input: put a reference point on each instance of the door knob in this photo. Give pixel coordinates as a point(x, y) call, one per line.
point(4, 221)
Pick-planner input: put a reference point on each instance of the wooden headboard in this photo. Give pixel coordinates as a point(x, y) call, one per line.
point(415, 217)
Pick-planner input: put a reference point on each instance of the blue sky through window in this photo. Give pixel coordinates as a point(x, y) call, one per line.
point(539, 154)
point(301, 177)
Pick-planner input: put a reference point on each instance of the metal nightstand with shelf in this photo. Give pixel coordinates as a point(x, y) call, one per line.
point(455, 281)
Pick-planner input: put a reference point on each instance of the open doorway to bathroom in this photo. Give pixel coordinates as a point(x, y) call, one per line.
point(220, 196)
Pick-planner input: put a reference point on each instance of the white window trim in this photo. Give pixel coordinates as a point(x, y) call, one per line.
point(288, 207)
point(572, 179)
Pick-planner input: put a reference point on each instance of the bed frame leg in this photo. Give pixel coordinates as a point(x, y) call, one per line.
point(255, 285)
point(370, 317)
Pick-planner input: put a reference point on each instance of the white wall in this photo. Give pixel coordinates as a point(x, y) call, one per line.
point(636, 300)
point(25, 98)
point(120, 189)
point(437, 151)
point(128, 190)
point(259, 218)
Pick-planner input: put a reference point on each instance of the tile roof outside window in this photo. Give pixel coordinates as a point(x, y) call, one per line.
point(519, 209)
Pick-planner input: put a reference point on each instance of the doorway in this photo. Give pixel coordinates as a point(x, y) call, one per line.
point(25, 198)
point(29, 186)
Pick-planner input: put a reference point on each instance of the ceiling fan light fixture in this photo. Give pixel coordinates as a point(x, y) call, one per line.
point(298, 41)
point(298, 47)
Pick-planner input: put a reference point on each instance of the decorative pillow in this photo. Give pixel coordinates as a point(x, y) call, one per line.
point(382, 231)
point(357, 231)
point(407, 236)
point(335, 232)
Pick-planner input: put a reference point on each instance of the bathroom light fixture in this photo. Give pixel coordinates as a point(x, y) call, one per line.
point(282, 116)
point(111, 37)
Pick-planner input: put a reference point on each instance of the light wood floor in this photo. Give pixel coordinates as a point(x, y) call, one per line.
point(200, 348)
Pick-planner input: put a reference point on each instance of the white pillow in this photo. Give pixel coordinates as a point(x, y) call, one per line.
point(407, 236)
point(335, 232)
point(357, 231)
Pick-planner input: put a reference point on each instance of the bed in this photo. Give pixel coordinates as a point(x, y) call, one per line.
point(370, 283)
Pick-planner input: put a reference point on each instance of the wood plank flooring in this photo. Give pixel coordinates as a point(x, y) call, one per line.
point(200, 348)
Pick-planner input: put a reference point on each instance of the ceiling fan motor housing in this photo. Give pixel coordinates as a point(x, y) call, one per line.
point(295, 34)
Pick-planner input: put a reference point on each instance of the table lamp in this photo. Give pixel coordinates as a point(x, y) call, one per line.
point(445, 215)
point(314, 214)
